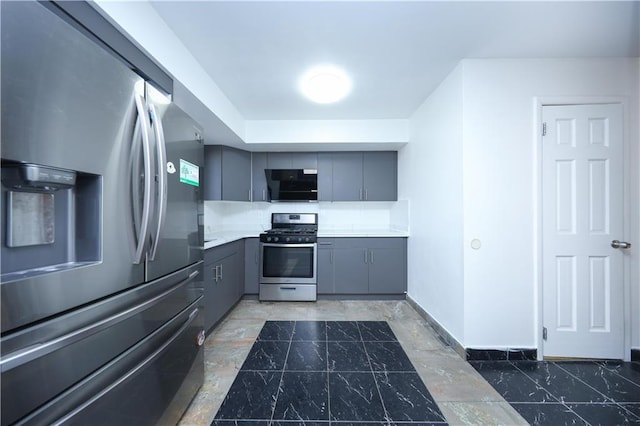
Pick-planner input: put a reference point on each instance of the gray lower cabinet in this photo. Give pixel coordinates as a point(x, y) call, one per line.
point(227, 174)
point(326, 275)
point(224, 280)
point(252, 266)
point(362, 265)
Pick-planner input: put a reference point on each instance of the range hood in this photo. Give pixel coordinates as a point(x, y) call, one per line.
point(292, 184)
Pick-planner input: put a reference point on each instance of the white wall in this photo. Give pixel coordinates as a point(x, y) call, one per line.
point(470, 171)
point(430, 175)
point(500, 307)
point(326, 131)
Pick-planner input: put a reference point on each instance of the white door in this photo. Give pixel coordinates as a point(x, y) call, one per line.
point(583, 212)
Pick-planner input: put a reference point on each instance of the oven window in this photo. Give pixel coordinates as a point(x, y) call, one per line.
point(287, 262)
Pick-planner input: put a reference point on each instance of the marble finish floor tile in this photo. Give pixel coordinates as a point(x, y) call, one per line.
point(568, 392)
point(457, 389)
point(323, 381)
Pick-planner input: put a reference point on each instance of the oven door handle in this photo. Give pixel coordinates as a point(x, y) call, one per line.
point(305, 245)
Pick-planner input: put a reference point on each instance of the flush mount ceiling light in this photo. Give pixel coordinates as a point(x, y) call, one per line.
point(325, 84)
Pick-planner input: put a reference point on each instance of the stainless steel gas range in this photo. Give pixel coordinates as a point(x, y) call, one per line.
point(289, 258)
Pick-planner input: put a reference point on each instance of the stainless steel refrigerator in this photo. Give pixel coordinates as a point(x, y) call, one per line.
point(101, 253)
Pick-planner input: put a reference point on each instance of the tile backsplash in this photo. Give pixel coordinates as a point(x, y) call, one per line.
point(227, 215)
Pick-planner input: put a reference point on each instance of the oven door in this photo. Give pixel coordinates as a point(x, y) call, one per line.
point(288, 263)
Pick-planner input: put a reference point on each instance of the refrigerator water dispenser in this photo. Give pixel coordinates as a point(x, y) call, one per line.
point(50, 219)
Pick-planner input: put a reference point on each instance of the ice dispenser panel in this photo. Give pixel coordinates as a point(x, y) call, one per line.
point(30, 219)
point(51, 220)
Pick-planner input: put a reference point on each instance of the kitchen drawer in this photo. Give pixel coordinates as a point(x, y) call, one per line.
point(362, 242)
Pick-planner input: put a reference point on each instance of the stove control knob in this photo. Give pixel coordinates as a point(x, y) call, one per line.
point(287, 239)
point(268, 239)
point(275, 239)
point(307, 239)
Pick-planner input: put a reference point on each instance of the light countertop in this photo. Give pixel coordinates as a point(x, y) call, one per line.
point(219, 238)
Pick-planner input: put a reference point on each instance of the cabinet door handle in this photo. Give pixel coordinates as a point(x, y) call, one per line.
point(366, 194)
point(360, 194)
point(264, 195)
point(331, 257)
point(365, 256)
point(221, 272)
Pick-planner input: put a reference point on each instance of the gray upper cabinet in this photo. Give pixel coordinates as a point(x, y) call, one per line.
point(347, 176)
point(325, 176)
point(227, 174)
point(258, 179)
point(365, 176)
point(292, 160)
point(380, 176)
point(236, 175)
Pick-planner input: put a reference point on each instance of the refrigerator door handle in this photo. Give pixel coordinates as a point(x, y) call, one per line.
point(146, 203)
point(156, 122)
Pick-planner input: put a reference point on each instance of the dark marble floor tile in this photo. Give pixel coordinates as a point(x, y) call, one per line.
point(251, 396)
point(310, 330)
point(376, 331)
point(303, 396)
point(442, 423)
point(334, 423)
point(604, 380)
point(548, 414)
point(388, 356)
point(240, 423)
point(628, 370)
point(406, 398)
point(298, 423)
point(558, 382)
point(632, 408)
point(343, 331)
point(347, 356)
point(354, 397)
point(604, 414)
point(307, 356)
point(511, 383)
point(276, 330)
point(358, 423)
point(266, 355)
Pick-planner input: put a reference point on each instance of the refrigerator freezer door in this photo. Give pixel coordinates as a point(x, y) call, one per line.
point(52, 369)
point(180, 238)
point(69, 104)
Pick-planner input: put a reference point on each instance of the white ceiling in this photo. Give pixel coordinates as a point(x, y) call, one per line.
point(396, 52)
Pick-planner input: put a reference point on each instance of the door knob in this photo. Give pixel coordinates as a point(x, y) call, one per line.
point(620, 244)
